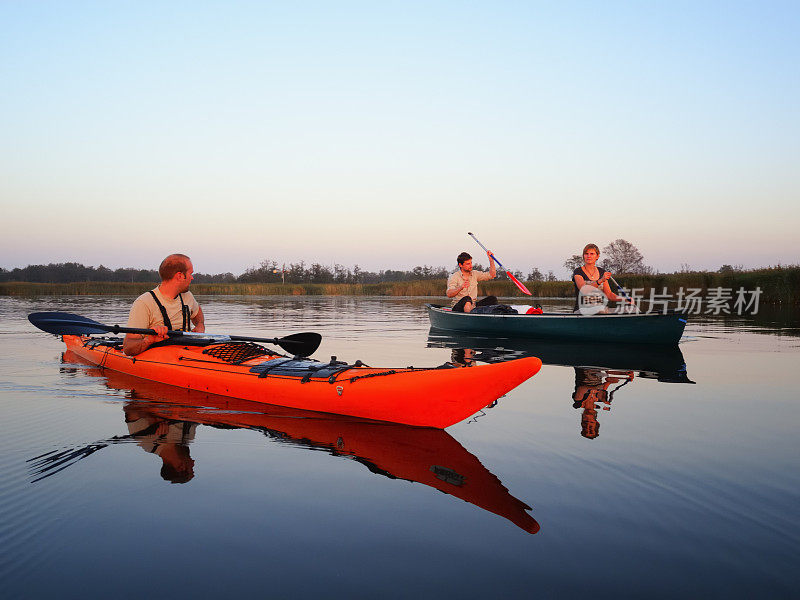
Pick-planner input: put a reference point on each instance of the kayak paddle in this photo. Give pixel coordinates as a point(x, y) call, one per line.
point(516, 281)
point(60, 323)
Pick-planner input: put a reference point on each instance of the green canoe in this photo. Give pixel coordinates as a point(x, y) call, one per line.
point(642, 328)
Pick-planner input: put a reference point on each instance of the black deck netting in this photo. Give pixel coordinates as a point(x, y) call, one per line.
point(236, 353)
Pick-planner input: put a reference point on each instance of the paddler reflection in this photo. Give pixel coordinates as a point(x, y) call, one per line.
point(164, 420)
point(468, 357)
point(592, 395)
point(600, 369)
point(169, 440)
point(462, 357)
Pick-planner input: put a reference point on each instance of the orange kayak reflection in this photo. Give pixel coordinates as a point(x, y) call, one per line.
point(168, 418)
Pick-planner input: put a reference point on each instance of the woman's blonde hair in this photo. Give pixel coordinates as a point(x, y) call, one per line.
point(591, 247)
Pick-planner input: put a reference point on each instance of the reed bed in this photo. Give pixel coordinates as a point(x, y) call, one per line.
point(779, 285)
point(79, 288)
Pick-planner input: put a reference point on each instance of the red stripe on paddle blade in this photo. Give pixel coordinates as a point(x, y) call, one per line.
point(518, 283)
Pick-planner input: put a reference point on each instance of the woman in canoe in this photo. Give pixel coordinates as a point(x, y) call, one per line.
point(596, 278)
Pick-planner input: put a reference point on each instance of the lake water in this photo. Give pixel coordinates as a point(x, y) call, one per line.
point(682, 481)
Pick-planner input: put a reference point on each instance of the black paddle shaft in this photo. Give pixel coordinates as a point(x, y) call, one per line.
point(60, 323)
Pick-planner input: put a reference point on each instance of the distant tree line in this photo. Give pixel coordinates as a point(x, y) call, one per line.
point(268, 271)
point(620, 256)
point(71, 272)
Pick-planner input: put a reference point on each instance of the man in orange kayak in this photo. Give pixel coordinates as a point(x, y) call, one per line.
point(462, 286)
point(169, 306)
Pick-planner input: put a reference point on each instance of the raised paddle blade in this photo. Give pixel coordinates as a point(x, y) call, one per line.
point(300, 344)
point(518, 283)
point(61, 323)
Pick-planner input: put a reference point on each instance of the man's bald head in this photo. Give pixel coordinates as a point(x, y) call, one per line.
point(172, 265)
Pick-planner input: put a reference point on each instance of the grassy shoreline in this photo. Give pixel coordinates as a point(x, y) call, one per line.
point(779, 285)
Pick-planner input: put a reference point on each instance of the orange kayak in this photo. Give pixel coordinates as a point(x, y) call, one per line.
point(435, 397)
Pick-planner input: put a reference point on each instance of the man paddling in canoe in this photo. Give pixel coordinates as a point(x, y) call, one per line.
point(462, 286)
point(169, 306)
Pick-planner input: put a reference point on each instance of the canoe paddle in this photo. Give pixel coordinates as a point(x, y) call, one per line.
point(60, 323)
point(622, 291)
point(516, 281)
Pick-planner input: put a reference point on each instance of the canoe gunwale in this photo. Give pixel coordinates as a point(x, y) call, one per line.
point(557, 315)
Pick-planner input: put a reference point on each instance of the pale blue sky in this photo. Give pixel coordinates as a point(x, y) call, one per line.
point(379, 133)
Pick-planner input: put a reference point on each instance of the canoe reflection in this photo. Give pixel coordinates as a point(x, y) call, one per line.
point(600, 369)
point(164, 420)
point(665, 363)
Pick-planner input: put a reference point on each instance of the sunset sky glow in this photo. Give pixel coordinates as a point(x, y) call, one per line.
point(378, 134)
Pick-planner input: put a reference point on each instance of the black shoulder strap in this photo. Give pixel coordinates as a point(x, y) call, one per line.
point(167, 322)
point(186, 314)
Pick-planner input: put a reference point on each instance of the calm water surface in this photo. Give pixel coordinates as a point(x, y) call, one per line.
point(683, 480)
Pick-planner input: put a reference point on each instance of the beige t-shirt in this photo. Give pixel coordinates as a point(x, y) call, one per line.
point(457, 280)
point(145, 313)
